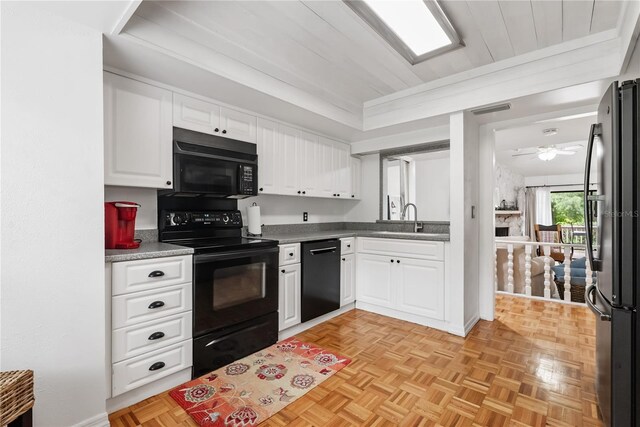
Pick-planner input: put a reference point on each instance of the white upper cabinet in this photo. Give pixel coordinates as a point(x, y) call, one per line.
point(356, 178)
point(193, 114)
point(308, 173)
point(342, 167)
point(137, 133)
point(290, 170)
point(237, 125)
point(269, 157)
point(200, 116)
point(326, 170)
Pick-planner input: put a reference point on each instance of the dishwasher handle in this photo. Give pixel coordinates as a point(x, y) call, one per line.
point(323, 250)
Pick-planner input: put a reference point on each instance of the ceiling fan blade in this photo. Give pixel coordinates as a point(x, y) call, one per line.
point(565, 153)
point(523, 154)
point(571, 147)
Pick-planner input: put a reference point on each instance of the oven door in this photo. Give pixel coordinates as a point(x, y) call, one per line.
point(232, 287)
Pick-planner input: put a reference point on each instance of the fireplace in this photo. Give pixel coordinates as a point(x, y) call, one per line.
point(502, 231)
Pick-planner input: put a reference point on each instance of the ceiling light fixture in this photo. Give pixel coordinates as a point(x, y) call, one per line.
point(547, 154)
point(417, 29)
point(491, 109)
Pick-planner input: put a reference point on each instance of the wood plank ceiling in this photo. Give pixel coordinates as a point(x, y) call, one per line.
point(324, 49)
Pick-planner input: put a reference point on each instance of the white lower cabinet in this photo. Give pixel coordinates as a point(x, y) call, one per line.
point(347, 279)
point(420, 287)
point(289, 312)
point(374, 279)
point(405, 284)
point(151, 320)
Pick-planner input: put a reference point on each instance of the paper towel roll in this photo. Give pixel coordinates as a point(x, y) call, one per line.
point(255, 222)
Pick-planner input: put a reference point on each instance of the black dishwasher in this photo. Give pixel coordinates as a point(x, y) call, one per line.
point(320, 278)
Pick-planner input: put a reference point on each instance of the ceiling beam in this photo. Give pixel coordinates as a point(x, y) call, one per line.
point(126, 16)
point(560, 67)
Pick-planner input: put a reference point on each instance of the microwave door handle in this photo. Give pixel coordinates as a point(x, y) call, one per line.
point(596, 129)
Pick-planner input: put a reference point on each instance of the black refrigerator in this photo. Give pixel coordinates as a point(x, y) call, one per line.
point(612, 205)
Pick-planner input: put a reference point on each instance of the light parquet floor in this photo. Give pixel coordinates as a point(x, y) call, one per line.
point(533, 366)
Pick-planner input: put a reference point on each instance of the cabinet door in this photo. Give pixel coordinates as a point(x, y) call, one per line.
point(374, 279)
point(421, 287)
point(325, 168)
point(269, 157)
point(237, 125)
point(342, 170)
point(347, 280)
point(289, 296)
point(193, 114)
point(308, 159)
point(137, 134)
point(356, 178)
point(289, 172)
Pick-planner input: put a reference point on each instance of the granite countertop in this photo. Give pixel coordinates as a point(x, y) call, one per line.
point(284, 238)
point(145, 251)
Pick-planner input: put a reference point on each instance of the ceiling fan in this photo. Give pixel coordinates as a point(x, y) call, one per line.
point(549, 152)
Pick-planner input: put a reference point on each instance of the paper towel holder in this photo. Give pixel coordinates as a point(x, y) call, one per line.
point(261, 225)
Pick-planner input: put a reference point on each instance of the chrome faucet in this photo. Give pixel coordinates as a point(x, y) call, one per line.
point(415, 218)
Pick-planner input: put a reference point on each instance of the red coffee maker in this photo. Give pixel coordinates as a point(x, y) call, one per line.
point(120, 221)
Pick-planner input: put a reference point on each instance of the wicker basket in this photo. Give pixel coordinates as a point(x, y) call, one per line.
point(16, 394)
point(577, 292)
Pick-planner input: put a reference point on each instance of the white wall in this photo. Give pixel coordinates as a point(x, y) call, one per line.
point(432, 189)
point(52, 309)
point(147, 216)
point(463, 263)
point(288, 210)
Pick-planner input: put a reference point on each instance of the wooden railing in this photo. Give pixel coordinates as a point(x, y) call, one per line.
point(543, 251)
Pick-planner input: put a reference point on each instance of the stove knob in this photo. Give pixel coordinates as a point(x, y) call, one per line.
point(225, 218)
point(179, 219)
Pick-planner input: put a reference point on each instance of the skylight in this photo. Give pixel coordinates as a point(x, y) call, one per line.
point(417, 29)
point(413, 22)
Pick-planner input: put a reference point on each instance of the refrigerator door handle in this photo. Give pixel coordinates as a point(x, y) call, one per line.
point(591, 302)
point(596, 130)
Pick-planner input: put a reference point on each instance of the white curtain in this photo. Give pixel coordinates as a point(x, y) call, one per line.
point(543, 206)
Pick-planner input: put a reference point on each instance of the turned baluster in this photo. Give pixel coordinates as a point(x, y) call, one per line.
point(547, 271)
point(495, 266)
point(527, 269)
point(510, 268)
point(567, 273)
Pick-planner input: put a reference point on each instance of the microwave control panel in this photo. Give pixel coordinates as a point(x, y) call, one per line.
point(216, 219)
point(246, 181)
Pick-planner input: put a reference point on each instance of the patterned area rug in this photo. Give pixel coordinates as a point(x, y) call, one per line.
point(252, 389)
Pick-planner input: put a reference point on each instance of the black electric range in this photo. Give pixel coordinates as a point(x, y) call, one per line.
point(235, 285)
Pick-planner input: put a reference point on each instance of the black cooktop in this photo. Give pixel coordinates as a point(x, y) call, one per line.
point(225, 244)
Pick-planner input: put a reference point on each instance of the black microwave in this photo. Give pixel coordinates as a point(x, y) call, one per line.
point(213, 166)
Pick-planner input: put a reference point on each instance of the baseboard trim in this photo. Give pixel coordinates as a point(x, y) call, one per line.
point(470, 324)
point(100, 420)
point(301, 327)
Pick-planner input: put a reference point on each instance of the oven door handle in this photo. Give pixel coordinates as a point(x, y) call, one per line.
point(252, 328)
point(201, 258)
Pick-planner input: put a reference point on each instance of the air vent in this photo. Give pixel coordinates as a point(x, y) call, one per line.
point(491, 109)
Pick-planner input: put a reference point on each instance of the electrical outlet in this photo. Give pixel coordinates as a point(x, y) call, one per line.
point(305, 216)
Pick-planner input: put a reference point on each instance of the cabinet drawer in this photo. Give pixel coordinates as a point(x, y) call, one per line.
point(422, 249)
point(141, 370)
point(138, 339)
point(133, 276)
point(347, 245)
point(131, 309)
point(290, 254)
